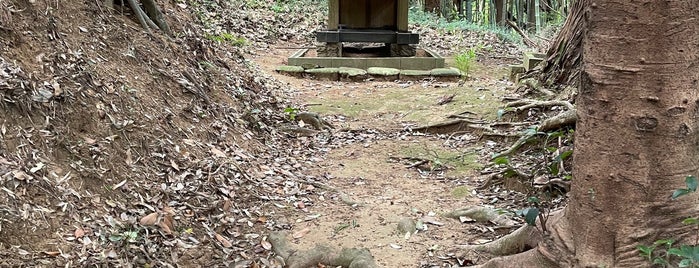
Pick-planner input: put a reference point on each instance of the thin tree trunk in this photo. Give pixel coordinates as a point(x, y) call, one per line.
point(469, 10)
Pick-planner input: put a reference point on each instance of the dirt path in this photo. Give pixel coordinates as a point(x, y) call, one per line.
point(369, 165)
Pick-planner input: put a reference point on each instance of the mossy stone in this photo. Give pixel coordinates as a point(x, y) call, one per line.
point(290, 70)
point(413, 75)
point(382, 71)
point(331, 74)
point(446, 74)
point(352, 74)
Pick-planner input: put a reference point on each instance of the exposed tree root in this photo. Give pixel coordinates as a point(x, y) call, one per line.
point(527, 247)
point(529, 259)
point(482, 214)
point(152, 17)
point(522, 140)
point(453, 126)
point(534, 85)
point(139, 14)
point(497, 178)
point(521, 105)
point(321, 254)
point(524, 238)
point(154, 13)
point(561, 120)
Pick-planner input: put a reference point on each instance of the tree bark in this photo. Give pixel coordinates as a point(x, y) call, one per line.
point(636, 137)
point(156, 15)
point(637, 134)
point(564, 57)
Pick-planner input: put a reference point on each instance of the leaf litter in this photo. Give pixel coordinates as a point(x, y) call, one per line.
point(134, 149)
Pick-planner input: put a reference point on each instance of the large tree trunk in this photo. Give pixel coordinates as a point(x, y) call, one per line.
point(564, 57)
point(636, 138)
point(637, 131)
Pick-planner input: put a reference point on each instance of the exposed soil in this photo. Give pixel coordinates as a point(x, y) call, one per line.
point(367, 164)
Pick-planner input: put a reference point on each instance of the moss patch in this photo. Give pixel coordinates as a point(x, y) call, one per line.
point(461, 192)
point(409, 104)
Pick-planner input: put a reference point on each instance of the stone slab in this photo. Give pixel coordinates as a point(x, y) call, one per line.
point(383, 62)
point(531, 59)
point(352, 74)
point(331, 74)
point(418, 63)
point(515, 71)
point(320, 62)
point(414, 75)
point(296, 71)
point(383, 74)
point(359, 63)
point(446, 74)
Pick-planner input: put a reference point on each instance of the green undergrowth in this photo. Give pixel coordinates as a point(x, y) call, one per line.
point(419, 17)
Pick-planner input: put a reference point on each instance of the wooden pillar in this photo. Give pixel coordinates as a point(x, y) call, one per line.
point(333, 14)
point(402, 15)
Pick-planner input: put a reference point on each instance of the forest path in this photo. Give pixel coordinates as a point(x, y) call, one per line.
point(368, 161)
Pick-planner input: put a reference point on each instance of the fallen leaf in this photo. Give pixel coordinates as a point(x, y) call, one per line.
point(266, 244)
point(38, 167)
point(174, 165)
point(301, 233)
point(217, 152)
point(227, 205)
point(395, 246)
point(223, 240)
point(21, 175)
point(168, 224)
point(149, 219)
point(169, 210)
point(79, 232)
point(129, 158)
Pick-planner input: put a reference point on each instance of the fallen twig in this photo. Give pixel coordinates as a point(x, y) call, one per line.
point(526, 38)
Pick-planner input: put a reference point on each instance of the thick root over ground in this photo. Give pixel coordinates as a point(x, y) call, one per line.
point(321, 254)
point(528, 247)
